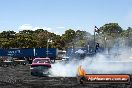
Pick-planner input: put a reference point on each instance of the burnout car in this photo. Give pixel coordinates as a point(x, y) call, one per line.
point(40, 67)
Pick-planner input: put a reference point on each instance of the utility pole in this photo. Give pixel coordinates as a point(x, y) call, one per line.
point(47, 47)
point(47, 44)
point(94, 40)
point(95, 30)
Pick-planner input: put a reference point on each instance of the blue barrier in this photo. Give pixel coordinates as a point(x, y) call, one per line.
point(28, 52)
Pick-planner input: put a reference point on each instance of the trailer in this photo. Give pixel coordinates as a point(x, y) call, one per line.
point(29, 52)
point(24, 55)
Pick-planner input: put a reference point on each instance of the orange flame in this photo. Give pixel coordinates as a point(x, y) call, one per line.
point(81, 71)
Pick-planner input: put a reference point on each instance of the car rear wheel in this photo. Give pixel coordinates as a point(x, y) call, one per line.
point(82, 80)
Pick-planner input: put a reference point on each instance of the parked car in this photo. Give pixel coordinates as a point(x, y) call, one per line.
point(20, 61)
point(41, 67)
point(6, 61)
point(65, 58)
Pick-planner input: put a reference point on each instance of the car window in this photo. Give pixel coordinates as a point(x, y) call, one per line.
point(36, 61)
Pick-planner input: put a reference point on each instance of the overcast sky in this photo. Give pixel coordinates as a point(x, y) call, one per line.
point(59, 15)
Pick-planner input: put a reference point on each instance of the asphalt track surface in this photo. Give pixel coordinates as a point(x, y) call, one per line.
point(19, 77)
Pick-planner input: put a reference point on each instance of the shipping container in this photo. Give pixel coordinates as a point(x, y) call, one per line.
point(29, 52)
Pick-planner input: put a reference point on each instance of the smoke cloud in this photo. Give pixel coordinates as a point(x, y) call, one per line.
point(116, 62)
point(116, 59)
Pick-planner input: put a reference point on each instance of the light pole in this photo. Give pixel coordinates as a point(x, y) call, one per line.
point(94, 40)
point(48, 40)
point(95, 30)
point(47, 47)
point(47, 44)
point(105, 45)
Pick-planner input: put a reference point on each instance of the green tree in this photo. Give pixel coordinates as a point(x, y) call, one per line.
point(42, 38)
point(68, 37)
point(39, 31)
point(82, 38)
point(26, 32)
point(7, 34)
point(109, 35)
point(23, 41)
point(111, 29)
